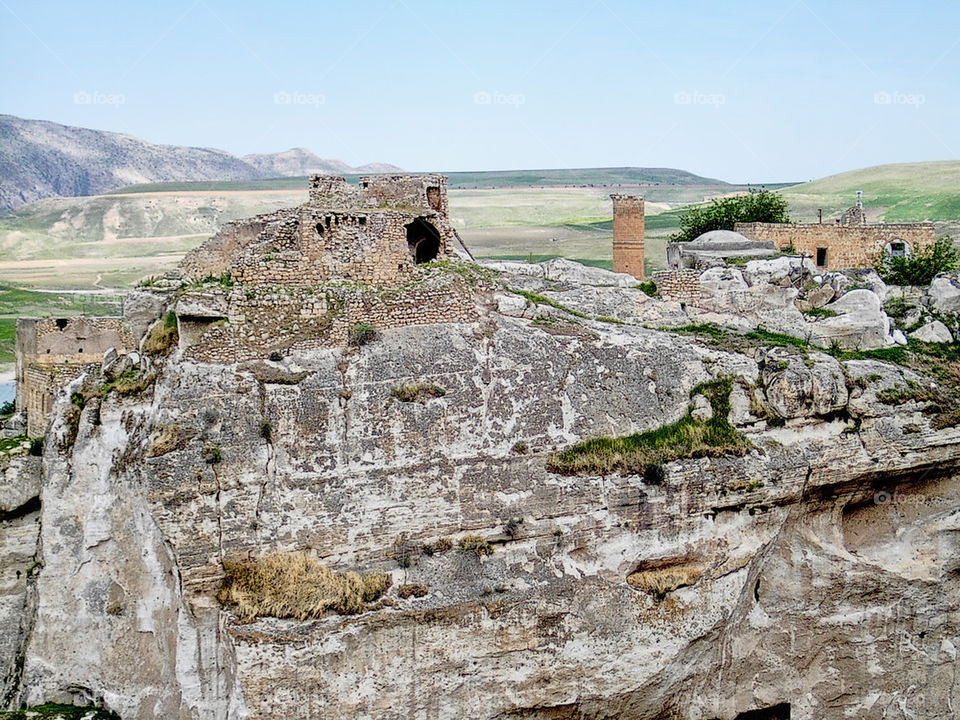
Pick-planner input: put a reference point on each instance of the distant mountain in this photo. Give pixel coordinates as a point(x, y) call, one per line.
point(41, 159)
point(295, 162)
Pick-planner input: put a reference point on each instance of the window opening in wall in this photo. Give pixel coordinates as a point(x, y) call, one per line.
point(62, 323)
point(821, 257)
point(899, 248)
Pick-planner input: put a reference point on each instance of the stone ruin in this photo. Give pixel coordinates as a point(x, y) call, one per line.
point(255, 287)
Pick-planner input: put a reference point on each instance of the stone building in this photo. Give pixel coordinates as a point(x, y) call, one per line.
point(52, 352)
point(374, 232)
point(715, 248)
point(850, 242)
point(628, 235)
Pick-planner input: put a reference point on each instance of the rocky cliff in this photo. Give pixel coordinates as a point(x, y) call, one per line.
point(808, 570)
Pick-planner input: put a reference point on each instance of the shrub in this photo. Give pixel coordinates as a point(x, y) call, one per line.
point(363, 334)
point(211, 454)
point(512, 528)
point(920, 267)
point(724, 213)
point(296, 585)
point(266, 430)
point(417, 392)
point(405, 551)
point(162, 336)
point(36, 446)
point(654, 474)
point(441, 546)
point(412, 590)
point(521, 448)
point(475, 544)
point(649, 287)
point(8, 408)
point(276, 356)
point(897, 307)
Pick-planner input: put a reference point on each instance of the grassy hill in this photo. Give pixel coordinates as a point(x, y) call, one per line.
point(906, 192)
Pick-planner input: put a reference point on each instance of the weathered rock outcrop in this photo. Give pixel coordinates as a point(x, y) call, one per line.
point(816, 571)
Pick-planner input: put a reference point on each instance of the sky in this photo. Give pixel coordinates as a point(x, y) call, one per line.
point(773, 91)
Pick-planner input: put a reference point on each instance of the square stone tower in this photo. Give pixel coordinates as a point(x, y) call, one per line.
point(628, 228)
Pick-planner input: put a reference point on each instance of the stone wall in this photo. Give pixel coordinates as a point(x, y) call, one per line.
point(51, 352)
point(680, 285)
point(846, 246)
point(628, 235)
point(266, 319)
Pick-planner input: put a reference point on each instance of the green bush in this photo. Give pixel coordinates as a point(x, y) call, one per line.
point(724, 213)
point(363, 334)
point(8, 408)
point(476, 545)
point(920, 267)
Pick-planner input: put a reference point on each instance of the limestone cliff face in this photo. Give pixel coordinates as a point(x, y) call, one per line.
point(819, 570)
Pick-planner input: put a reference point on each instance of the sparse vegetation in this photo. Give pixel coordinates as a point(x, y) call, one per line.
point(162, 336)
point(8, 408)
point(475, 545)
point(688, 437)
point(412, 590)
point(520, 448)
point(539, 299)
point(129, 383)
point(920, 267)
point(57, 711)
point(417, 392)
point(266, 430)
point(648, 287)
point(296, 585)
point(819, 312)
point(660, 581)
point(897, 307)
point(211, 454)
point(441, 546)
point(363, 334)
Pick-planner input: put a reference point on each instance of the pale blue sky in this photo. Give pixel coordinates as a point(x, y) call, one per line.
point(743, 91)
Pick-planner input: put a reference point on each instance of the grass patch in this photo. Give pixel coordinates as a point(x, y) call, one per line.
point(163, 336)
point(819, 312)
point(130, 383)
point(296, 585)
point(660, 581)
point(765, 337)
point(648, 287)
point(714, 331)
point(417, 392)
point(686, 438)
point(51, 711)
point(539, 299)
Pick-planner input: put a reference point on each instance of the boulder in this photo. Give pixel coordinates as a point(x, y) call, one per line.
point(795, 390)
point(141, 307)
point(934, 331)
point(944, 293)
point(565, 270)
point(785, 270)
point(722, 279)
point(860, 323)
point(818, 297)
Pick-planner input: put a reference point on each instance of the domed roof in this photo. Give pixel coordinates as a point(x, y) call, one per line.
point(714, 238)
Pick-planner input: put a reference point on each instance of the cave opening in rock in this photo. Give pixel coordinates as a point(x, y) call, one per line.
point(781, 711)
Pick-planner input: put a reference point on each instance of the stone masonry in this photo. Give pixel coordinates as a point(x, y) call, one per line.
point(628, 235)
point(849, 243)
point(51, 352)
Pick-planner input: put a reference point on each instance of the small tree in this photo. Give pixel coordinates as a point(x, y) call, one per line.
point(920, 267)
point(724, 213)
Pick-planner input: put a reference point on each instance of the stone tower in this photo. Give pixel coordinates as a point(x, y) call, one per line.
point(628, 235)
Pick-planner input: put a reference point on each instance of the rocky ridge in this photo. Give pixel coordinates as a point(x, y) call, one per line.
point(813, 575)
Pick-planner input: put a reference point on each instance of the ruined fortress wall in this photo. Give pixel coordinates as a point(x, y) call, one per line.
point(847, 246)
point(628, 235)
point(212, 259)
point(312, 320)
point(426, 192)
point(680, 285)
point(53, 352)
point(364, 247)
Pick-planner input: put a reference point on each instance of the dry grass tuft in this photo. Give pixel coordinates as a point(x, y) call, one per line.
point(162, 336)
point(167, 438)
point(295, 585)
point(660, 581)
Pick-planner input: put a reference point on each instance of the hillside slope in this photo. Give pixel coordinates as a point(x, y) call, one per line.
point(904, 192)
point(41, 159)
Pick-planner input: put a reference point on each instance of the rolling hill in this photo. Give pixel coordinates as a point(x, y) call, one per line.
point(40, 159)
point(905, 192)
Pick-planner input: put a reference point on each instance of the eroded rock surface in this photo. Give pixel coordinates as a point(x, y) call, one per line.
point(818, 570)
